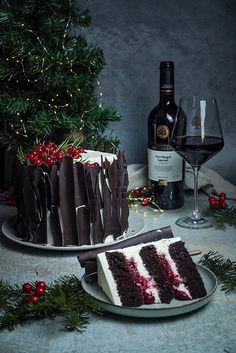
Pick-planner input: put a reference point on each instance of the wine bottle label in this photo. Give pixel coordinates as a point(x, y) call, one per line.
point(164, 165)
point(162, 132)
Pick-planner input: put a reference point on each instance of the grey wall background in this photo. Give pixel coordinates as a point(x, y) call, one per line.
point(135, 35)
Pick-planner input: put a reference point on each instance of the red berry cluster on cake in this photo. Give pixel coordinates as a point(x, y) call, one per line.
point(68, 196)
point(155, 272)
point(50, 153)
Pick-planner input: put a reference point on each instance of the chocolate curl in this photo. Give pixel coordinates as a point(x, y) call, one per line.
point(30, 212)
point(54, 214)
point(95, 205)
point(106, 192)
point(88, 259)
point(67, 202)
point(115, 199)
point(46, 171)
point(81, 205)
point(122, 191)
point(40, 236)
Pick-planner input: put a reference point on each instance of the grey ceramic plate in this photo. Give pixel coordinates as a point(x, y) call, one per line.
point(176, 307)
point(136, 225)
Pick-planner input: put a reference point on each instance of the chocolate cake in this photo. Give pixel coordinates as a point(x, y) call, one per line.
point(155, 272)
point(71, 203)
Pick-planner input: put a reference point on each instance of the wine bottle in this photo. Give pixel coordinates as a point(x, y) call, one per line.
point(165, 167)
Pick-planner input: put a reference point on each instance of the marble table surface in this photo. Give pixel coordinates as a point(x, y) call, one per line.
point(211, 329)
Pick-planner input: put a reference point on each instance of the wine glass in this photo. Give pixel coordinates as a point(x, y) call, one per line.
point(197, 137)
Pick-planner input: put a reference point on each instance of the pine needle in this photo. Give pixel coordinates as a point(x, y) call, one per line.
point(222, 217)
point(224, 269)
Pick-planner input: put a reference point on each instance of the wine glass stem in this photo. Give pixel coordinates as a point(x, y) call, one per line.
point(196, 214)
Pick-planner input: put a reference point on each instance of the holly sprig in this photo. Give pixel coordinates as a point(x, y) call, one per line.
point(65, 296)
point(224, 269)
point(221, 213)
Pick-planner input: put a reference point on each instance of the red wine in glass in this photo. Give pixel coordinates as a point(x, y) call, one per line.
point(197, 150)
point(196, 137)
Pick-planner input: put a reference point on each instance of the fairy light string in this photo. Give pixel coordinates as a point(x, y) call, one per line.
point(51, 104)
point(142, 196)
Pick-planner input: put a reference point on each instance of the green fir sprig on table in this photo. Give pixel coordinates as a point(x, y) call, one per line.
point(64, 296)
point(224, 269)
point(222, 217)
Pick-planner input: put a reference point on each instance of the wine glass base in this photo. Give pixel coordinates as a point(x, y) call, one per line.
point(189, 223)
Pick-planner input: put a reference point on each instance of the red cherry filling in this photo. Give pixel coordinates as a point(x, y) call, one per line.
point(141, 281)
point(148, 298)
point(165, 264)
point(181, 295)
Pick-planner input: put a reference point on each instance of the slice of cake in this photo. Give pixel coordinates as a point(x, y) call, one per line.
point(155, 272)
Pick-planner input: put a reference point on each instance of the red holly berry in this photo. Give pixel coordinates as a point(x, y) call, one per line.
point(145, 202)
point(213, 201)
point(39, 291)
point(38, 162)
point(81, 150)
point(222, 197)
point(49, 161)
point(137, 192)
point(59, 155)
point(34, 299)
point(222, 205)
point(41, 284)
point(27, 287)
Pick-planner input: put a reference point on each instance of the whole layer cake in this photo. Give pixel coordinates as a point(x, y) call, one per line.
point(72, 203)
point(154, 272)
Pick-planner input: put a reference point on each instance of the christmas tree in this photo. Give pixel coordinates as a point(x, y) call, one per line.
point(49, 75)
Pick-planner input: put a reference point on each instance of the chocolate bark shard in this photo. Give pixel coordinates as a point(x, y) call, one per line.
point(46, 170)
point(31, 215)
point(106, 192)
point(28, 205)
point(40, 236)
point(67, 202)
point(96, 205)
point(55, 201)
point(123, 186)
point(81, 205)
point(153, 235)
point(115, 199)
point(91, 197)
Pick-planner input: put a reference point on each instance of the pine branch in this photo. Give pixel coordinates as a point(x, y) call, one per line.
point(224, 269)
point(64, 296)
point(50, 74)
point(222, 217)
